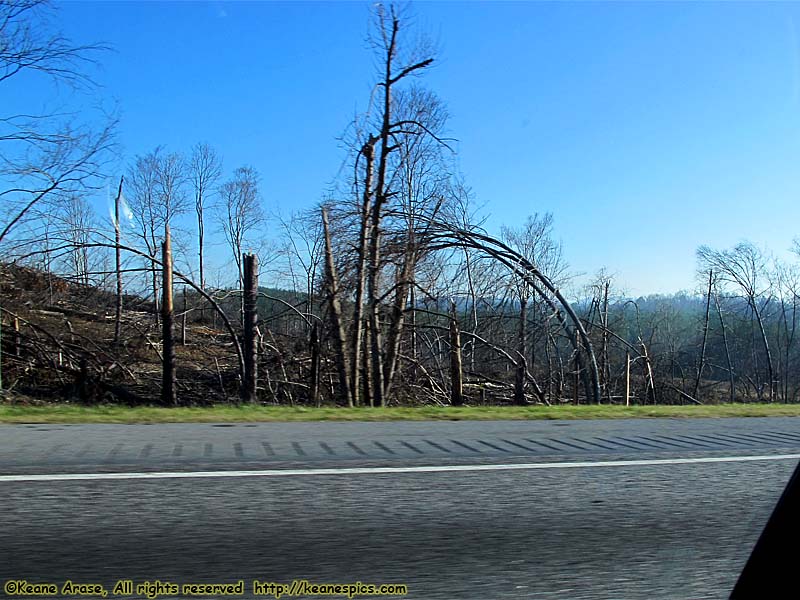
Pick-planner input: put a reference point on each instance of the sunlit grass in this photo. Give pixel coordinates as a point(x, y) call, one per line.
point(61, 413)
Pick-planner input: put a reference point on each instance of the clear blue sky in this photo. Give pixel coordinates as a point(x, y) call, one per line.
point(646, 128)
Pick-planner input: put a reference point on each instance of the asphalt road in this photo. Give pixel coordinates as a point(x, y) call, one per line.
point(626, 530)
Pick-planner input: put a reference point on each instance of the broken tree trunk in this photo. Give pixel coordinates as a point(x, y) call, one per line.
point(576, 382)
point(456, 372)
point(315, 365)
point(250, 349)
point(627, 379)
point(332, 289)
point(168, 396)
point(368, 150)
point(154, 274)
point(17, 339)
point(366, 375)
point(118, 264)
point(183, 319)
point(650, 382)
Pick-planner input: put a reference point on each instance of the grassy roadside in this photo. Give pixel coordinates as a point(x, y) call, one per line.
point(59, 413)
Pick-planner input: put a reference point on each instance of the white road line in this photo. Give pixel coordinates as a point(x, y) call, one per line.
point(390, 470)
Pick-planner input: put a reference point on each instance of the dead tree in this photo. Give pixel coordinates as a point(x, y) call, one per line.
point(702, 361)
point(743, 267)
point(456, 371)
point(335, 306)
point(315, 363)
point(240, 213)
point(147, 214)
point(447, 235)
point(368, 152)
point(647, 366)
point(250, 346)
point(389, 27)
point(205, 168)
point(605, 366)
point(729, 361)
point(44, 155)
point(522, 364)
point(168, 392)
point(118, 264)
point(534, 241)
point(155, 182)
point(183, 318)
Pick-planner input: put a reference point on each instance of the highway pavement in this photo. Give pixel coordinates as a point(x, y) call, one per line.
point(661, 508)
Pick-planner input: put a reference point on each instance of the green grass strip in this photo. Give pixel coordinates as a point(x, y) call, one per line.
point(61, 413)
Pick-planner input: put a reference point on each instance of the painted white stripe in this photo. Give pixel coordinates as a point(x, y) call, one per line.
point(391, 470)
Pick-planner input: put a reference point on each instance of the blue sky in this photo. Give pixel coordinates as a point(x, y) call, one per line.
point(647, 129)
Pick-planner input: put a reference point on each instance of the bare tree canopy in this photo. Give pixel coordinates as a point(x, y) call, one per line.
point(45, 152)
point(205, 169)
point(391, 291)
point(240, 213)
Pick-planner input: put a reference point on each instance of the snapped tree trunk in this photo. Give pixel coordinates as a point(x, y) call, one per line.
point(368, 150)
point(337, 322)
point(249, 390)
point(118, 265)
point(314, 383)
point(627, 379)
point(366, 375)
point(155, 292)
point(456, 372)
point(183, 319)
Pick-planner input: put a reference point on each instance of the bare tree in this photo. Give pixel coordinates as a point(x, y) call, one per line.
point(449, 235)
point(147, 213)
point(702, 361)
point(79, 223)
point(44, 153)
point(171, 179)
point(744, 268)
point(303, 252)
point(156, 184)
point(205, 169)
point(787, 290)
point(240, 213)
point(534, 241)
point(394, 67)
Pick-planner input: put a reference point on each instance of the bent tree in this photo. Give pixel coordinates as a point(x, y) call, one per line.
point(446, 235)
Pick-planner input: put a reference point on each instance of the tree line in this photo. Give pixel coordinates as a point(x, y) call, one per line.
point(389, 291)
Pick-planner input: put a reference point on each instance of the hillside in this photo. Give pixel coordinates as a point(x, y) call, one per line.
point(58, 344)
